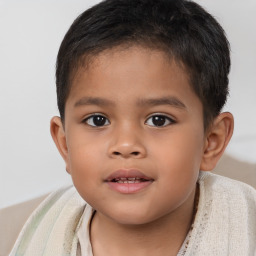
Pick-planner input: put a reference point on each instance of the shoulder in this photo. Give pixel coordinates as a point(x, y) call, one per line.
point(220, 185)
point(12, 219)
point(225, 222)
point(228, 193)
point(65, 199)
point(58, 215)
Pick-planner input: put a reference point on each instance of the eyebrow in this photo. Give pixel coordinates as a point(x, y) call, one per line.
point(168, 100)
point(93, 101)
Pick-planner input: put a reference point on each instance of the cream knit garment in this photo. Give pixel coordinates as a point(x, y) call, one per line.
point(225, 223)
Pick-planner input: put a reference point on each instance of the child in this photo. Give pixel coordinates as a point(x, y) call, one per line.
point(140, 87)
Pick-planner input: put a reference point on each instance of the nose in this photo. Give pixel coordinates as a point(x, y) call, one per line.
point(126, 143)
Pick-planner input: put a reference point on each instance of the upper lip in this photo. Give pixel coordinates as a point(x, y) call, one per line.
point(127, 173)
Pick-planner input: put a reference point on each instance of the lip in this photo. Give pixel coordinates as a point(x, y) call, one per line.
point(142, 181)
point(127, 173)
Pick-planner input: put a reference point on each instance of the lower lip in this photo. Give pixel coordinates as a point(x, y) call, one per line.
point(129, 188)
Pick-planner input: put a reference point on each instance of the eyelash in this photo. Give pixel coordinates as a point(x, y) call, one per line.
point(161, 117)
point(102, 120)
point(91, 117)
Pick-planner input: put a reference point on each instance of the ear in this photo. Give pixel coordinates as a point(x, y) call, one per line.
point(216, 140)
point(59, 137)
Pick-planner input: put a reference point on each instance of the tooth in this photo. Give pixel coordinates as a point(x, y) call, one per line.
point(131, 178)
point(131, 181)
point(123, 179)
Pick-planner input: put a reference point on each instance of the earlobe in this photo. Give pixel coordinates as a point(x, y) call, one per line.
point(59, 138)
point(217, 139)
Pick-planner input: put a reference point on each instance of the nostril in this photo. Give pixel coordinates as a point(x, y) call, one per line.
point(135, 153)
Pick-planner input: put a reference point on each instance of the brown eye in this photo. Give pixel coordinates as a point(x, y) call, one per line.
point(97, 120)
point(159, 121)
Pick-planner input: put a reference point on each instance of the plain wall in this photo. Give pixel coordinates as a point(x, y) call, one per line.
point(31, 32)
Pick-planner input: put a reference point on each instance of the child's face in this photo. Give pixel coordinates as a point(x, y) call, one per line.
point(133, 110)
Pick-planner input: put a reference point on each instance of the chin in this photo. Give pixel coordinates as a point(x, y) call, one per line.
point(132, 218)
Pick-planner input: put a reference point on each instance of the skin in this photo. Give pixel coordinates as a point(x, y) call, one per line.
point(171, 154)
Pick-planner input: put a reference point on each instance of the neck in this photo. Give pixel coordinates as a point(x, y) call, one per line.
point(163, 236)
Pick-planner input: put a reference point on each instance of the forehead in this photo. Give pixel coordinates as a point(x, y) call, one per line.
point(131, 72)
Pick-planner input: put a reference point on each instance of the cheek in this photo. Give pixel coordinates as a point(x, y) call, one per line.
point(181, 147)
point(84, 150)
point(178, 157)
point(178, 172)
point(85, 172)
point(86, 162)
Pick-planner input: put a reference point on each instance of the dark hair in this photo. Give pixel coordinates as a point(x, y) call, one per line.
point(181, 28)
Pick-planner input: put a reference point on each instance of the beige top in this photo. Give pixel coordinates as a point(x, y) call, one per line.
point(84, 246)
point(225, 223)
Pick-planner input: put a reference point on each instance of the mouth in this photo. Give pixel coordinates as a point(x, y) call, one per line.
point(128, 181)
